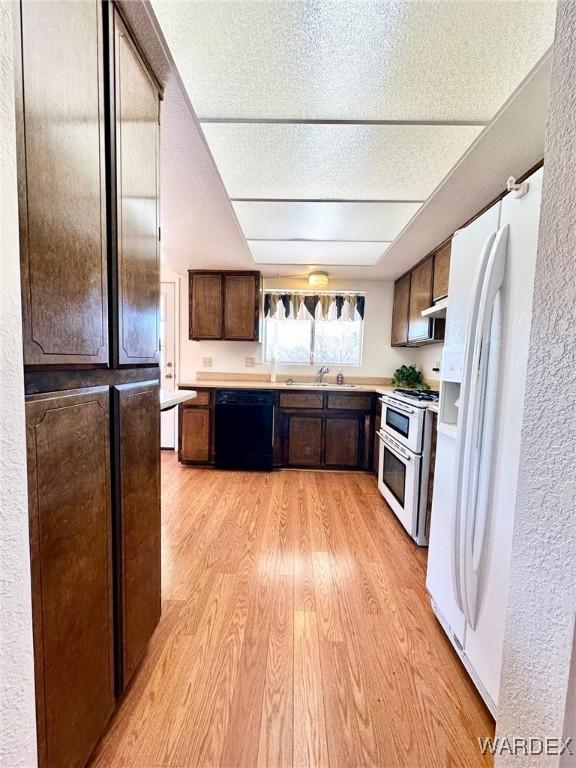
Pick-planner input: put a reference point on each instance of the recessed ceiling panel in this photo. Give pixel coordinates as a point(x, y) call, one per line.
point(317, 253)
point(350, 162)
point(374, 60)
point(323, 221)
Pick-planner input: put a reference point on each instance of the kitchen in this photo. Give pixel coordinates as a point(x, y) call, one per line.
point(318, 303)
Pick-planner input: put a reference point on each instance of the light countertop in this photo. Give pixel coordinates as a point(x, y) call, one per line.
point(169, 399)
point(379, 389)
point(298, 385)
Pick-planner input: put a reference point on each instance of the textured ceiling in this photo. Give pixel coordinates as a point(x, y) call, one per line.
point(359, 162)
point(308, 105)
point(381, 60)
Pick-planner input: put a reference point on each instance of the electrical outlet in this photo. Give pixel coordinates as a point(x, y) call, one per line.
point(250, 362)
point(207, 362)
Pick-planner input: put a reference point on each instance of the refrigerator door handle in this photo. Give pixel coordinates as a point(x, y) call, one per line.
point(481, 423)
point(490, 409)
point(461, 434)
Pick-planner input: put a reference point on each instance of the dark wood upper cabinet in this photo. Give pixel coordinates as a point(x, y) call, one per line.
point(71, 557)
point(206, 304)
point(415, 291)
point(241, 307)
point(341, 442)
point(225, 305)
point(420, 298)
point(441, 272)
point(62, 187)
point(137, 449)
point(136, 110)
point(400, 311)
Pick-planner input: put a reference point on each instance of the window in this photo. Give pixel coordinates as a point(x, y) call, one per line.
point(319, 329)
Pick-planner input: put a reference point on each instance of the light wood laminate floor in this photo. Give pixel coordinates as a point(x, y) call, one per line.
point(296, 631)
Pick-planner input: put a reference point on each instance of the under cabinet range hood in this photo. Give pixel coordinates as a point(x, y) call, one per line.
point(436, 310)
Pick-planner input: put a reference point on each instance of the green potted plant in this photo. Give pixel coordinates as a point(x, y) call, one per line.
point(409, 377)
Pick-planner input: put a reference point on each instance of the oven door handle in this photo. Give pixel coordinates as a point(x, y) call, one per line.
point(393, 448)
point(397, 405)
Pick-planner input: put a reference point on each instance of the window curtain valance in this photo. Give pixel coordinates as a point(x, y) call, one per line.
point(321, 306)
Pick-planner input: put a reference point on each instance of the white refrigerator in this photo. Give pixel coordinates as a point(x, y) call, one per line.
point(483, 378)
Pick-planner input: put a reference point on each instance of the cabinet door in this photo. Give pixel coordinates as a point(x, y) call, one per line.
point(400, 311)
point(70, 544)
point(441, 272)
point(305, 440)
point(137, 192)
point(137, 441)
point(241, 300)
point(341, 442)
point(61, 173)
point(419, 328)
point(195, 435)
point(205, 297)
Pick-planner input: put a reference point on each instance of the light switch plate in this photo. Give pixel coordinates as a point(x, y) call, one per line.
point(207, 362)
point(250, 362)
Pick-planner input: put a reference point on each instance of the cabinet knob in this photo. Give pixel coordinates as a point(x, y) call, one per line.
point(168, 376)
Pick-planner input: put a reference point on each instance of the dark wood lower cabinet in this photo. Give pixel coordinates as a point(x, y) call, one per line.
point(304, 440)
point(195, 435)
point(341, 446)
point(71, 555)
point(137, 522)
point(311, 429)
point(323, 430)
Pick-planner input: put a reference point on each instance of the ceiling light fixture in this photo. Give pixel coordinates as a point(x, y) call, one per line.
point(318, 280)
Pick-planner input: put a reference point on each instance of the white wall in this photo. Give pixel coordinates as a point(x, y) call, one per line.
point(428, 357)
point(17, 709)
point(542, 597)
point(379, 358)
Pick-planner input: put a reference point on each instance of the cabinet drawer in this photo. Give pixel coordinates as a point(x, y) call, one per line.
point(350, 402)
point(201, 399)
point(301, 400)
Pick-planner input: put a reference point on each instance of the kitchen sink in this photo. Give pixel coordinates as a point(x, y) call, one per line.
point(314, 384)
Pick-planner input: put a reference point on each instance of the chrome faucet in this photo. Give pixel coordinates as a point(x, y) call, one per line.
point(321, 373)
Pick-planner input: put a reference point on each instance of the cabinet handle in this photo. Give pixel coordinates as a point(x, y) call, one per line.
point(168, 376)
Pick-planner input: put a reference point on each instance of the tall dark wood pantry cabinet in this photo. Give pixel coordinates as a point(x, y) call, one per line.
point(87, 108)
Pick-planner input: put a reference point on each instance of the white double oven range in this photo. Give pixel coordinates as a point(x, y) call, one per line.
point(404, 463)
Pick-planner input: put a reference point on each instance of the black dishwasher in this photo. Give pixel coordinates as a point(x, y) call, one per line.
point(244, 429)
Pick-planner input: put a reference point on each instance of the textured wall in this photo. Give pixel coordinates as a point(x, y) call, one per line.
point(542, 602)
point(17, 717)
